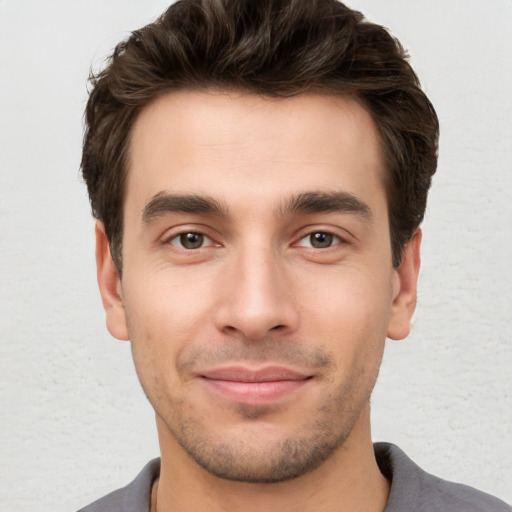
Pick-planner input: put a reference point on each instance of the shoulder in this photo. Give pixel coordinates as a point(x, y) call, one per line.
point(135, 497)
point(415, 489)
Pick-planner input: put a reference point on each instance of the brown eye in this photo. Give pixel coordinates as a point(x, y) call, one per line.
point(189, 240)
point(319, 240)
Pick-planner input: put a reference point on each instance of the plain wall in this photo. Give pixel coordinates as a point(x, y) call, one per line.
point(74, 421)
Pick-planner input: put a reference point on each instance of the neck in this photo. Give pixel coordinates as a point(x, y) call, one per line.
point(349, 480)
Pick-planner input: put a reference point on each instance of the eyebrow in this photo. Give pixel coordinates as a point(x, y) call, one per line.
point(306, 202)
point(319, 202)
point(163, 203)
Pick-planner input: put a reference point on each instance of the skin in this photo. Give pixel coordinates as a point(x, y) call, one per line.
point(287, 265)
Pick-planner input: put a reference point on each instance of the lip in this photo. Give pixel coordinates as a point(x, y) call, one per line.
point(260, 386)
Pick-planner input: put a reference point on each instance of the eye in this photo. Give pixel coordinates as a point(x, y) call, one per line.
point(319, 240)
point(190, 240)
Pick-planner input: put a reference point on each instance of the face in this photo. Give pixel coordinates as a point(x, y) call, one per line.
point(257, 287)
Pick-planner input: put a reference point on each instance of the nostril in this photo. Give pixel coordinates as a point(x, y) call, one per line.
point(277, 327)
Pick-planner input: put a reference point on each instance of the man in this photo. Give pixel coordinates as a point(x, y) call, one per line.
point(259, 172)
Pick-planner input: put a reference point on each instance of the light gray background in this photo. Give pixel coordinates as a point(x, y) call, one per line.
point(74, 422)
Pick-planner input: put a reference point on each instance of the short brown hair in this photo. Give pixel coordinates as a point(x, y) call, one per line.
point(275, 48)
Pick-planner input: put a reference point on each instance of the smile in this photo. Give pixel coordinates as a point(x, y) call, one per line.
point(254, 387)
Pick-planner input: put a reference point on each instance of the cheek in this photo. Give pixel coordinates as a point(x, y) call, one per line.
point(350, 300)
point(169, 304)
point(167, 314)
point(155, 327)
point(350, 315)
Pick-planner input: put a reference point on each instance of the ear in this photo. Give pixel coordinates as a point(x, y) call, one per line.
point(110, 286)
point(405, 289)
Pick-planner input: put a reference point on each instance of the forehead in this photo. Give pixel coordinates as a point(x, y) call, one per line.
point(248, 147)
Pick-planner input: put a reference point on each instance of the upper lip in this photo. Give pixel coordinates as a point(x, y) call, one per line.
point(245, 374)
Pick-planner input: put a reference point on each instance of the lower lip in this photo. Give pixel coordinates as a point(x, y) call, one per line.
point(254, 393)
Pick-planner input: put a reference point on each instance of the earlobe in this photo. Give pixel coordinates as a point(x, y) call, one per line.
point(109, 283)
point(405, 289)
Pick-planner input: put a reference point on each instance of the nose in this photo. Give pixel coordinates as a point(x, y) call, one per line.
point(256, 297)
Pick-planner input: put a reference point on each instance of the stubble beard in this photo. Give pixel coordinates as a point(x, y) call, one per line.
point(242, 460)
point(253, 456)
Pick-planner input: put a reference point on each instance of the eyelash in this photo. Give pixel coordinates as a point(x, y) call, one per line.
point(181, 239)
point(321, 237)
point(199, 239)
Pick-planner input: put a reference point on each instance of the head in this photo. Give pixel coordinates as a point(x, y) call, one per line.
point(259, 171)
point(271, 48)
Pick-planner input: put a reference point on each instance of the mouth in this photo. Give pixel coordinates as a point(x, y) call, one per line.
point(261, 386)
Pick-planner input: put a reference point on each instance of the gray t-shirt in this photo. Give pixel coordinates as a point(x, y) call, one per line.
point(412, 489)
